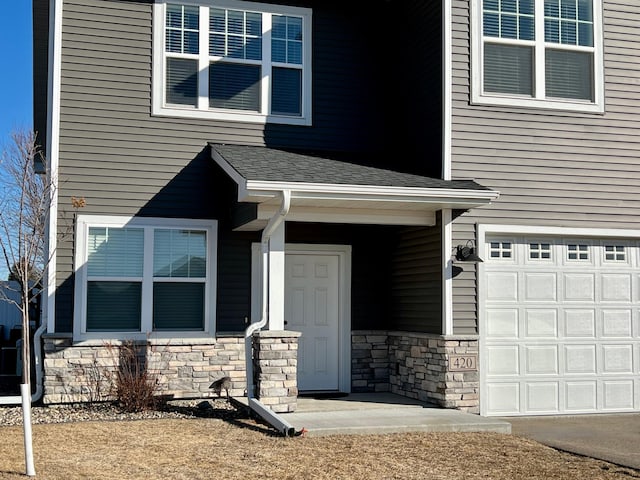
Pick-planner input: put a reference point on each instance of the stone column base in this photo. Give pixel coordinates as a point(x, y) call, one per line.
point(275, 360)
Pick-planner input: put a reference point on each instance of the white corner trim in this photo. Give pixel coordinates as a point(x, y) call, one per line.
point(447, 89)
point(53, 149)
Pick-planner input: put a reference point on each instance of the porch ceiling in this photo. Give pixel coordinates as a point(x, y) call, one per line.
point(337, 190)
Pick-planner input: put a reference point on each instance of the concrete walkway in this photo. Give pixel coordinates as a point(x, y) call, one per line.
point(613, 438)
point(363, 413)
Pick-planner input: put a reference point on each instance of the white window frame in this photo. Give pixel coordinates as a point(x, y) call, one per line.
point(479, 96)
point(202, 111)
point(149, 224)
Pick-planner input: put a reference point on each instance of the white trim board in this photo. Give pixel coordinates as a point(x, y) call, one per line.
point(484, 229)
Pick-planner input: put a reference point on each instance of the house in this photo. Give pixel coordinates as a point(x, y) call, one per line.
point(368, 157)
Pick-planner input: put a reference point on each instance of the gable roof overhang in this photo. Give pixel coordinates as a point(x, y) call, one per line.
point(330, 190)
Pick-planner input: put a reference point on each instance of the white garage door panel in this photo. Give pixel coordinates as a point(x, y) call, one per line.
point(560, 326)
point(542, 397)
point(581, 396)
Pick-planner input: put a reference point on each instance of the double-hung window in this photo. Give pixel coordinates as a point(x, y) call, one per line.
point(538, 53)
point(232, 60)
point(140, 276)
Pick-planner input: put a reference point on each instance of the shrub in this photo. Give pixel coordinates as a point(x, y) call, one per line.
point(135, 385)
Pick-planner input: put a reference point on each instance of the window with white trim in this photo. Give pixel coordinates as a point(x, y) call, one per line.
point(538, 53)
point(501, 249)
point(539, 251)
point(615, 253)
point(144, 275)
point(578, 251)
point(232, 60)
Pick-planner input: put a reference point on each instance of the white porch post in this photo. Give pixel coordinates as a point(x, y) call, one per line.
point(276, 279)
point(447, 269)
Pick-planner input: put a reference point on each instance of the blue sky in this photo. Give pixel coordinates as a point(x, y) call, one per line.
point(16, 98)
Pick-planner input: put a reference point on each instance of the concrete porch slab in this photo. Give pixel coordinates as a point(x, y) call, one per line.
point(374, 413)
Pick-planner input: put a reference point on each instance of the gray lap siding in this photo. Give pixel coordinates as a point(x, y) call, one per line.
point(553, 168)
point(124, 161)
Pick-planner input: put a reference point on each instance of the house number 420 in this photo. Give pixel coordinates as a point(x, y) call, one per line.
point(459, 363)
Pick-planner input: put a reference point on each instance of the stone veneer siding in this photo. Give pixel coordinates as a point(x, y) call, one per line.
point(184, 369)
point(275, 369)
point(410, 364)
point(416, 365)
point(369, 361)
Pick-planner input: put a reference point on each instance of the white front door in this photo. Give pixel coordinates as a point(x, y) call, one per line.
point(317, 303)
point(312, 307)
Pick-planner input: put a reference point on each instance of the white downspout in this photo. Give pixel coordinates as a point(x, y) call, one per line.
point(266, 413)
point(37, 350)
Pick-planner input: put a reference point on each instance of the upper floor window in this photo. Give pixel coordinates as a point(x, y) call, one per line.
point(538, 53)
point(232, 60)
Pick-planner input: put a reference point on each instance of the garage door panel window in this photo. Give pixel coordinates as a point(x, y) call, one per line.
point(615, 253)
point(540, 251)
point(578, 252)
point(501, 249)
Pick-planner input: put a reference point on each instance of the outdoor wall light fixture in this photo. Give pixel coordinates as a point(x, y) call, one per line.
point(467, 253)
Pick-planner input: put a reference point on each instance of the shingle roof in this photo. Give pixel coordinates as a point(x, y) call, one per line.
point(255, 163)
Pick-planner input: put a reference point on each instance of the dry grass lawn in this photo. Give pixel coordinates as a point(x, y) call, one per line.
point(243, 449)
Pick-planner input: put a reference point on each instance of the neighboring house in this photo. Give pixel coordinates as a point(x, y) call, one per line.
point(364, 147)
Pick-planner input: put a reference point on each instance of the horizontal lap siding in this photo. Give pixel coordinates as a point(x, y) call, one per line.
point(124, 161)
point(552, 168)
point(416, 288)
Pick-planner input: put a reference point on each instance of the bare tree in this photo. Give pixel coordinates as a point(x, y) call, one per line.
point(25, 198)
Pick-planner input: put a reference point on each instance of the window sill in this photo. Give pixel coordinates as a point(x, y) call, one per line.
point(228, 116)
point(520, 102)
point(172, 338)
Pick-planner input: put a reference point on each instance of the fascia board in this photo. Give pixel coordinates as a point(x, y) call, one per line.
point(258, 189)
point(352, 215)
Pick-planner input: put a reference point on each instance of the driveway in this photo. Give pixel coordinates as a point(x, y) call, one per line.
point(613, 438)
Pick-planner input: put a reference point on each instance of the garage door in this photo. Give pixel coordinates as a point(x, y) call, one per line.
point(559, 326)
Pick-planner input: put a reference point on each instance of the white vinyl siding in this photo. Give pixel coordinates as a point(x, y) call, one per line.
point(141, 276)
point(232, 60)
point(538, 53)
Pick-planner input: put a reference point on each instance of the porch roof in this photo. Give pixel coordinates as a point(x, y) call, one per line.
point(337, 188)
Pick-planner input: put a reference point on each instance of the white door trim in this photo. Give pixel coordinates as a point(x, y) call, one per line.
point(344, 321)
